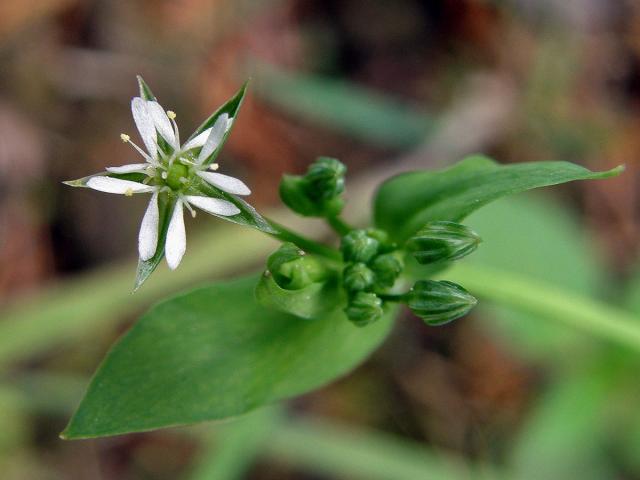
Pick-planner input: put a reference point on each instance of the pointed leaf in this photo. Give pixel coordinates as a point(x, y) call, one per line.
point(215, 353)
point(406, 202)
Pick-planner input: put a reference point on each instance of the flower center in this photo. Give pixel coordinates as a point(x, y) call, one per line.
point(177, 175)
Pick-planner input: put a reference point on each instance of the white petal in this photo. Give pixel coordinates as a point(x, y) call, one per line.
point(215, 206)
point(148, 236)
point(215, 137)
point(176, 238)
point(162, 123)
point(197, 141)
point(145, 125)
point(132, 168)
point(226, 183)
point(116, 185)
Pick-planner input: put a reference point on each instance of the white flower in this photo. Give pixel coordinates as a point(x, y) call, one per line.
point(170, 168)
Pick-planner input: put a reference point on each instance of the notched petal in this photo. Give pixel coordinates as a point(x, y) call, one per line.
point(148, 236)
point(226, 183)
point(176, 238)
point(131, 168)
point(145, 124)
point(215, 138)
point(117, 185)
point(214, 206)
point(162, 123)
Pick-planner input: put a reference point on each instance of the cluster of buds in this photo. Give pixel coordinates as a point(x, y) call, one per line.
point(372, 266)
point(371, 262)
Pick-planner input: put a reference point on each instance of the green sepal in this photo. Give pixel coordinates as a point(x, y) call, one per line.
point(358, 246)
point(439, 302)
point(166, 204)
point(357, 277)
point(231, 108)
point(440, 241)
point(387, 268)
point(364, 308)
point(145, 91)
point(325, 178)
point(248, 215)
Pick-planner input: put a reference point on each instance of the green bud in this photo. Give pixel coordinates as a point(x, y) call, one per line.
point(357, 277)
point(292, 269)
point(364, 308)
point(387, 268)
point(325, 178)
point(442, 241)
point(293, 192)
point(357, 246)
point(439, 302)
point(386, 245)
point(316, 194)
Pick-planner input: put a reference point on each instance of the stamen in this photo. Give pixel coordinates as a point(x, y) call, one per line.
point(128, 192)
point(164, 175)
point(127, 139)
point(172, 116)
point(186, 204)
point(214, 166)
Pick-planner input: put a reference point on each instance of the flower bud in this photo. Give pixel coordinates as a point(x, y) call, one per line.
point(357, 246)
point(293, 192)
point(386, 245)
point(442, 241)
point(292, 269)
point(357, 277)
point(325, 178)
point(316, 194)
point(364, 308)
point(439, 302)
point(387, 267)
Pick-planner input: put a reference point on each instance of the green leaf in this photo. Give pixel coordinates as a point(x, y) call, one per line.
point(166, 204)
point(406, 202)
point(231, 108)
point(309, 302)
point(248, 215)
point(214, 353)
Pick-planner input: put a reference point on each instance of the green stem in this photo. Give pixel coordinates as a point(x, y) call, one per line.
point(339, 226)
point(549, 301)
point(285, 235)
point(390, 298)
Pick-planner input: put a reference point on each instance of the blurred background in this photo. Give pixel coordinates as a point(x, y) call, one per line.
point(385, 86)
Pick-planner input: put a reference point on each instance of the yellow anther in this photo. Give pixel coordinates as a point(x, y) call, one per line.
point(129, 192)
point(171, 114)
point(193, 213)
point(124, 137)
point(214, 166)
